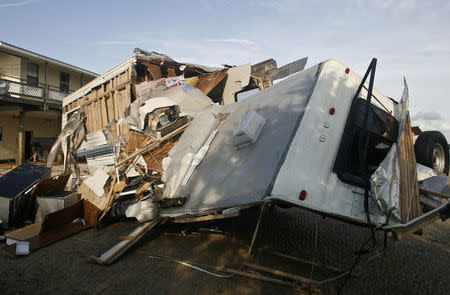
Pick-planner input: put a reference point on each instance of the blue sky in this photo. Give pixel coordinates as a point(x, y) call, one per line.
point(409, 38)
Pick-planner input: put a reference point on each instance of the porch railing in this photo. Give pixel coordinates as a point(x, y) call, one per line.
point(23, 89)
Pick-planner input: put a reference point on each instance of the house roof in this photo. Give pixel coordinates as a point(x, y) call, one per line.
point(33, 55)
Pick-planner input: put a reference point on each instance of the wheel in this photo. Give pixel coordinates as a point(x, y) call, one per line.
point(431, 150)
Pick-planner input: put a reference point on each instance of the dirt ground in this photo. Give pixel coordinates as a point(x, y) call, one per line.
point(415, 265)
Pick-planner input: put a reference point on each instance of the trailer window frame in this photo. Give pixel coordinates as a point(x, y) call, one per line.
point(382, 131)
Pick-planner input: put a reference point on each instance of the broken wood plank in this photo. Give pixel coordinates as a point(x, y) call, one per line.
point(263, 67)
point(288, 69)
point(120, 248)
point(267, 71)
point(139, 170)
point(208, 84)
point(409, 188)
point(206, 218)
point(150, 145)
point(155, 156)
point(110, 196)
point(134, 141)
point(126, 238)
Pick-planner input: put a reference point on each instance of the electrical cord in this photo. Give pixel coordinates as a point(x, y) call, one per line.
point(360, 253)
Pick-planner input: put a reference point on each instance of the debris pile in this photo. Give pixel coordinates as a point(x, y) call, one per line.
point(124, 124)
point(127, 121)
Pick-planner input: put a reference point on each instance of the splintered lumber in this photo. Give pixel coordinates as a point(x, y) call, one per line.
point(288, 69)
point(155, 156)
point(135, 140)
point(151, 145)
point(213, 84)
point(409, 187)
point(267, 70)
point(206, 83)
point(138, 169)
point(110, 196)
point(206, 218)
point(125, 243)
point(263, 67)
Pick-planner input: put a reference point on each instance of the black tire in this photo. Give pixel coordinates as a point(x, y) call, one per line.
point(431, 148)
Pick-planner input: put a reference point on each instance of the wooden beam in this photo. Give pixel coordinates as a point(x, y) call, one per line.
point(263, 67)
point(288, 69)
point(409, 188)
point(21, 139)
point(126, 238)
point(267, 70)
point(97, 96)
point(114, 252)
point(206, 218)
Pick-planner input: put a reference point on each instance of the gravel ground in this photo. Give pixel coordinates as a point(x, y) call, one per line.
point(415, 265)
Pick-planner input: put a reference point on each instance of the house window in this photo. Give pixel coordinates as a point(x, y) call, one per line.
point(32, 74)
point(64, 82)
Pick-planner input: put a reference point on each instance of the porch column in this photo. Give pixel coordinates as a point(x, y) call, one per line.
point(21, 139)
point(46, 88)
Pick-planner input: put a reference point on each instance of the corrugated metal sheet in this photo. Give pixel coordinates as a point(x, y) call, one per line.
point(100, 161)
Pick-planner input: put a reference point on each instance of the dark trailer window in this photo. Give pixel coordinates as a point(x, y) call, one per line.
point(382, 132)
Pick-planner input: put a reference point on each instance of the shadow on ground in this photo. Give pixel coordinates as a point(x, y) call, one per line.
point(415, 265)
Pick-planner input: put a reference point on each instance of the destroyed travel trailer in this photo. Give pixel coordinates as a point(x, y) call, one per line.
point(169, 141)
